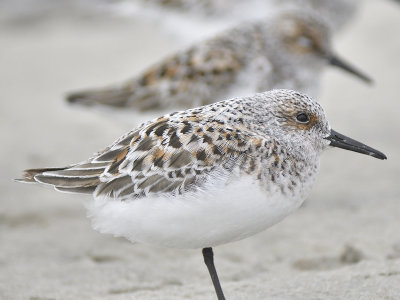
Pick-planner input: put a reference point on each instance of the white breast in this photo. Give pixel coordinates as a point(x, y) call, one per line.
point(215, 215)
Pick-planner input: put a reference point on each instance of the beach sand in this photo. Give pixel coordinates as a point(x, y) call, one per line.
point(344, 243)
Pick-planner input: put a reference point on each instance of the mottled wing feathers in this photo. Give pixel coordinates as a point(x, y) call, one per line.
point(171, 155)
point(187, 78)
point(168, 156)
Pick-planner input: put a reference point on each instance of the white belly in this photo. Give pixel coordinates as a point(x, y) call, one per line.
point(213, 216)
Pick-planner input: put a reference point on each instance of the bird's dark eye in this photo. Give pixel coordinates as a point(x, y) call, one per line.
point(302, 118)
point(304, 42)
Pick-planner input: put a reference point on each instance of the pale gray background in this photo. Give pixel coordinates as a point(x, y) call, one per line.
point(47, 247)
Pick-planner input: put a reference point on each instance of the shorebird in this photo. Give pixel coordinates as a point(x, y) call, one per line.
point(287, 50)
point(208, 175)
point(337, 13)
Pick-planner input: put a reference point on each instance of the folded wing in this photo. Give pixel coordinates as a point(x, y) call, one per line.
point(167, 156)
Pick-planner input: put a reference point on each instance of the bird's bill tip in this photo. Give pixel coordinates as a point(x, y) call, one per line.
point(342, 64)
point(341, 141)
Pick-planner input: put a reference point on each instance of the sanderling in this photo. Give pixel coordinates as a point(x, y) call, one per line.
point(287, 50)
point(206, 176)
point(337, 13)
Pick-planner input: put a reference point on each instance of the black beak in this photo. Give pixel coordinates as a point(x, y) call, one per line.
point(338, 62)
point(344, 142)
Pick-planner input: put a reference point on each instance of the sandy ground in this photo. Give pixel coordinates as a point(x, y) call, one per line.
point(344, 243)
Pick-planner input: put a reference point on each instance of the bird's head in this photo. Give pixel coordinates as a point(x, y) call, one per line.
point(304, 41)
point(299, 123)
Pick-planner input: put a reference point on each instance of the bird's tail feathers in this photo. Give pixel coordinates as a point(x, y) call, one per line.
point(80, 178)
point(132, 95)
point(113, 96)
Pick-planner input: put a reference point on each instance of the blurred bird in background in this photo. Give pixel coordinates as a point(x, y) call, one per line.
point(337, 13)
point(289, 49)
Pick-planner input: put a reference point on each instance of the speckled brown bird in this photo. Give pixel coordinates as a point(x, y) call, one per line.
point(206, 176)
point(287, 50)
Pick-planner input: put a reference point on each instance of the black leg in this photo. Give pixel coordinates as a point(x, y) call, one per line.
point(209, 260)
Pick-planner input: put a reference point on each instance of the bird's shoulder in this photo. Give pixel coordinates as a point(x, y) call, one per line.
point(217, 57)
